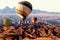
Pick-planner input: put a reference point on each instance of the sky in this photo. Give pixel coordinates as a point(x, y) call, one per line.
point(45, 5)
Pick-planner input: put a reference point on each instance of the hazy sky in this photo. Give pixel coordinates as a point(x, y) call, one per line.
point(46, 5)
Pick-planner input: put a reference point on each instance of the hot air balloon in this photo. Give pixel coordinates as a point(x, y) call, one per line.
point(34, 19)
point(6, 22)
point(23, 9)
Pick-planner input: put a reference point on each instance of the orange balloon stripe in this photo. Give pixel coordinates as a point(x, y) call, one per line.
point(23, 12)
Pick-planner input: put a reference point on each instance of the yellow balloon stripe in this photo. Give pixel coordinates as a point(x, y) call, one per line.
point(20, 11)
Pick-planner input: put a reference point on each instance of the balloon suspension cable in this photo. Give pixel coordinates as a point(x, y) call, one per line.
point(23, 19)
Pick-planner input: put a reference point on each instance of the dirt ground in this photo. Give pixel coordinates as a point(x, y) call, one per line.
point(42, 39)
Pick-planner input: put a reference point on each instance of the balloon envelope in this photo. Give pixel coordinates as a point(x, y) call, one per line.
point(23, 9)
point(6, 22)
point(34, 19)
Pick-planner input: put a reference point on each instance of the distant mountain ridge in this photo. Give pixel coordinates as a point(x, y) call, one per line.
point(8, 10)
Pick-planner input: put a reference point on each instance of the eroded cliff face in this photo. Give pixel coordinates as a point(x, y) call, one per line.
point(32, 31)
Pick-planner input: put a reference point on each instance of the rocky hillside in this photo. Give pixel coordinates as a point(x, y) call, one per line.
point(33, 31)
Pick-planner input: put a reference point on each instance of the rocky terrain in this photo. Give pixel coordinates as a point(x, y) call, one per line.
point(38, 31)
